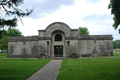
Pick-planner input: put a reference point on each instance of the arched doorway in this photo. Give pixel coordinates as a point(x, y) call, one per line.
point(58, 39)
point(58, 49)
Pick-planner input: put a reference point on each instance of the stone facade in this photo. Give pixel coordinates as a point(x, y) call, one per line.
point(59, 40)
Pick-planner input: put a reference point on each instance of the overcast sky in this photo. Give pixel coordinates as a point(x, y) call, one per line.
point(93, 14)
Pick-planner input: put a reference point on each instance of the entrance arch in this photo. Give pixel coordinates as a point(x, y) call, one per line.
point(58, 43)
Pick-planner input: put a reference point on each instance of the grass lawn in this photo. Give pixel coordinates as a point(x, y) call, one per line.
point(91, 68)
point(19, 69)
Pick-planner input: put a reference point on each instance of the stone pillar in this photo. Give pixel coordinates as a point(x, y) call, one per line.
point(50, 49)
point(66, 48)
point(47, 48)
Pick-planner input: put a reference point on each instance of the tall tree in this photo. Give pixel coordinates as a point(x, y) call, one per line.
point(11, 8)
point(4, 43)
point(4, 37)
point(115, 10)
point(83, 30)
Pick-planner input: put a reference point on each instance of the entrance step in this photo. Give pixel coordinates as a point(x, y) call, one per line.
point(58, 58)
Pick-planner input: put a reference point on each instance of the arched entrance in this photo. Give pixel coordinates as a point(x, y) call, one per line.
point(58, 49)
point(58, 45)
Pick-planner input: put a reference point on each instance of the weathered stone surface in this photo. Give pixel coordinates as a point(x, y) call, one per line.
point(83, 45)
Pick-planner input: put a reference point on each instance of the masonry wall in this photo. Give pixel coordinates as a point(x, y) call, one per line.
point(90, 48)
point(26, 47)
point(73, 46)
point(42, 47)
point(83, 45)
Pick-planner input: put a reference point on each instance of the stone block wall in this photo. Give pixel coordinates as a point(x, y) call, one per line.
point(95, 45)
point(23, 47)
point(83, 45)
point(73, 46)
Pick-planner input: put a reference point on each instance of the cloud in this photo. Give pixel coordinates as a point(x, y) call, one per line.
point(43, 7)
point(93, 1)
point(83, 13)
point(102, 19)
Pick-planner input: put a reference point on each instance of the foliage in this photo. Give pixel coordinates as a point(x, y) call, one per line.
point(11, 9)
point(4, 37)
point(83, 30)
point(10, 23)
point(90, 68)
point(115, 10)
point(116, 44)
point(19, 69)
point(3, 33)
point(4, 43)
point(3, 40)
point(13, 32)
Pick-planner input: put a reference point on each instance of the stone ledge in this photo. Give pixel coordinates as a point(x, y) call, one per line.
point(90, 37)
point(95, 37)
point(32, 38)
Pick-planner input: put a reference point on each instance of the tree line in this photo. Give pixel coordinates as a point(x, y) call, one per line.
point(116, 44)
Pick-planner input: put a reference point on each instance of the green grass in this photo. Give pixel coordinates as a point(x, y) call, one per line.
point(91, 68)
point(19, 69)
point(71, 69)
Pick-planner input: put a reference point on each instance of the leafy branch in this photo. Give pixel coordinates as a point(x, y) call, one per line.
point(10, 8)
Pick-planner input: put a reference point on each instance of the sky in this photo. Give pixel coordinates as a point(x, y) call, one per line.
point(93, 14)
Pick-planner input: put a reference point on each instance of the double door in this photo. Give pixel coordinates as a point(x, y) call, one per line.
point(58, 51)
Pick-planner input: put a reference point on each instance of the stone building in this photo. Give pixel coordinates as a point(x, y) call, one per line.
point(59, 40)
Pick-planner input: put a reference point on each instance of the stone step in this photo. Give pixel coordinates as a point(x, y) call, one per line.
point(58, 58)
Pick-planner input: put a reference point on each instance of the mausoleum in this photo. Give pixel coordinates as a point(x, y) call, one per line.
point(59, 40)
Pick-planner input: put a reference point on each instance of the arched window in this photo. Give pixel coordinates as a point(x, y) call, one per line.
point(58, 37)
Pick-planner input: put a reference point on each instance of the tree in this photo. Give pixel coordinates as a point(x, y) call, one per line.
point(4, 37)
point(10, 23)
point(83, 30)
point(13, 32)
point(1, 34)
point(4, 43)
point(116, 44)
point(115, 10)
point(11, 9)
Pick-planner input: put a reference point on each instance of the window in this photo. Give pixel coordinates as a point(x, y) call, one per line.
point(58, 37)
